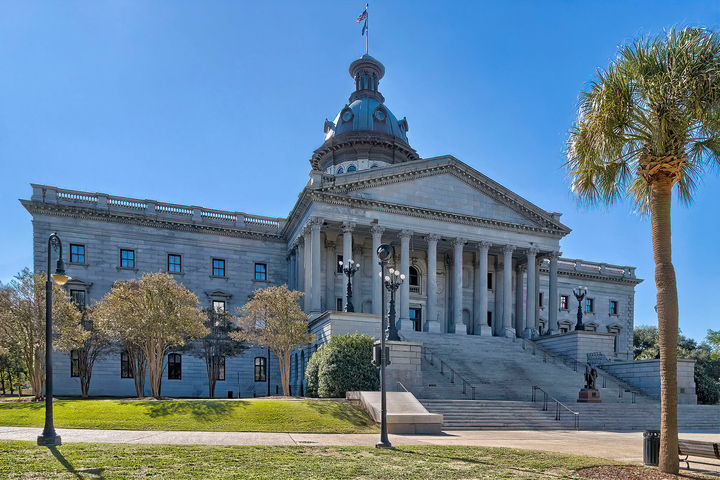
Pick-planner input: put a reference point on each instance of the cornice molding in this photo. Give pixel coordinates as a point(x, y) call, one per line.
point(593, 276)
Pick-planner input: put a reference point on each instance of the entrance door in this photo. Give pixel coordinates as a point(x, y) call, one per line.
point(416, 318)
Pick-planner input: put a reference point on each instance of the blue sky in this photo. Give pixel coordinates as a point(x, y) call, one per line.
point(221, 103)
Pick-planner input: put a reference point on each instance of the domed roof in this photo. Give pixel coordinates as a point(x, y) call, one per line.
point(364, 120)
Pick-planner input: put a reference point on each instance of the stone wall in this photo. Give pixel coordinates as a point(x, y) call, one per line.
point(645, 374)
point(577, 344)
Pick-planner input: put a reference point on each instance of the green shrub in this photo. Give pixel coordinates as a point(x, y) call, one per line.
point(311, 372)
point(346, 365)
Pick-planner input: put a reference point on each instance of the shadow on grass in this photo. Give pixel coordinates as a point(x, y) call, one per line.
point(22, 405)
point(342, 411)
point(201, 410)
point(95, 472)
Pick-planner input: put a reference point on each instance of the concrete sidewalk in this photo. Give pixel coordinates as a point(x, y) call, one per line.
point(620, 446)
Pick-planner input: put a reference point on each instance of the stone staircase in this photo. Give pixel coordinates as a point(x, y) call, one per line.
point(614, 417)
point(491, 415)
point(503, 369)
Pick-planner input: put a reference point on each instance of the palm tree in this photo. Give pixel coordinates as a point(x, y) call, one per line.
point(649, 123)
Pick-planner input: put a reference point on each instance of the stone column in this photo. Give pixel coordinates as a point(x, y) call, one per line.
point(537, 293)
point(315, 226)
point(347, 229)
point(307, 269)
point(433, 322)
point(403, 311)
point(377, 284)
point(519, 304)
point(460, 327)
point(300, 266)
point(508, 330)
point(553, 294)
point(531, 300)
point(330, 269)
point(482, 327)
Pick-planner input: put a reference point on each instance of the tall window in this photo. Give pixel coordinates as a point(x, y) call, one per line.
point(78, 298)
point(220, 366)
point(416, 319)
point(74, 363)
point(338, 267)
point(540, 299)
point(589, 305)
point(490, 280)
point(489, 319)
point(260, 271)
point(414, 277)
point(127, 258)
point(260, 369)
point(125, 367)
point(338, 305)
point(218, 267)
point(613, 307)
point(174, 366)
point(564, 302)
point(174, 263)
point(218, 306)
point(77, 253)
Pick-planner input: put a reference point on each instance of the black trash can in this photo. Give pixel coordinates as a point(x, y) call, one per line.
point(651, 447)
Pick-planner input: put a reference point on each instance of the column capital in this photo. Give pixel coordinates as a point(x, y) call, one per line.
point(406, 233)
point(553, 256)
point(329, 244)
point(458, 242)
point(316, 223)
point(377, 230)
point(484, 245)
point(532, 251)
point(432, 237)
point(508, 249)
point(348, 227)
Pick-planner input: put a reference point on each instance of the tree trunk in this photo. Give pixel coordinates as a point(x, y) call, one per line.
point(667, 313)
point(85, 372)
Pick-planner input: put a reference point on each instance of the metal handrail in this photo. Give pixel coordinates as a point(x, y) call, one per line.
point(558, 405)
point(403, 387)
point(453, 373)
point(573, 363)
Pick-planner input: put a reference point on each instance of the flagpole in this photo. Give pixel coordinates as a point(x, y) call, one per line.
point(367, 30)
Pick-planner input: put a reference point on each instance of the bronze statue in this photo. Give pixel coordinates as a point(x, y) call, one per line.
point(590, 377)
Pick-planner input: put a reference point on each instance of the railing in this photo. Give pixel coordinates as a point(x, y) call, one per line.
point(559, 406)
point(400, 385)
point(573, 363)
point(443, 365)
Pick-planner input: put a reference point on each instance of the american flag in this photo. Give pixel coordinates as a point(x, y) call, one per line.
point(363, 15)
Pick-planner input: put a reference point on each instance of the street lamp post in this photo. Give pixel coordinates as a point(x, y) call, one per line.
point(580, 293)
point(384, 252)
point(49, 438)
point(349, 269)
point(392, 282)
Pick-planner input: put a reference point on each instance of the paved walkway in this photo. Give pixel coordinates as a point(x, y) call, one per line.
point(620, 446)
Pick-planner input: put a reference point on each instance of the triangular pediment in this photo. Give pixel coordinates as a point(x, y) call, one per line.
point(445, 184)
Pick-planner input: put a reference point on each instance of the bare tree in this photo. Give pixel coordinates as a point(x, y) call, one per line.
point(151, 315)
point(273, 318)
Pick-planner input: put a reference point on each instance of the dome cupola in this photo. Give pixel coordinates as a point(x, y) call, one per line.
point(365, 133)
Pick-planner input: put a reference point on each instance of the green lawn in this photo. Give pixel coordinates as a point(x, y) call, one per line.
point(25, 460)
point(317, 416)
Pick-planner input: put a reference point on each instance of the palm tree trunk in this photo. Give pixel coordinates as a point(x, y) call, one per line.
point(667, 312)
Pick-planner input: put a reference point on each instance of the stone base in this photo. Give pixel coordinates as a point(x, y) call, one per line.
point(461, 329)
point(508, 332)
point(484, 331)
point(528, 333)
point(588, 395)
point(49, 441)
point(404, 366)
point(434, 327)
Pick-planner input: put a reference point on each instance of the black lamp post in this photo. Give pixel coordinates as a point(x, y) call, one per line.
point(349, 269)
point(580, 293)
point(392, 282)
point(384, 252)
point(49, 438)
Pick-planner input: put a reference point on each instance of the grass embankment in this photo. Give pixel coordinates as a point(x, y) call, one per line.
point(25, 460)
point(308, 416)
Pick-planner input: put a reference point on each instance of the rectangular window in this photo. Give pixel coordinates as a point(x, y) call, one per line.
point(74, 363)
point(174, 366)
point(125, 367)
point(589, 305)
point(260, 271)
point(490, 280)
point(613, 307)
point(540, 299)
point(127, 258)
point(218, 267)
point(339, 267)
point(564, 302)
point(338, 305)
point(218, 305)
point(260, 369)
point(416, 319)
point(220, 366)
point(78, 298)
point(77, 253)
point(174, 263)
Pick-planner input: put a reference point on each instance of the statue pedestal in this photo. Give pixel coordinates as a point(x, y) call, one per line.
point(589, 395)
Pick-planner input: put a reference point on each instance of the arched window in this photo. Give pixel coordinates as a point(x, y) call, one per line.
point(414, 277)
point(374, 165)
point(340, 171)
point(260, 369)
point(351, 168)
point(174, 366)
point(295, 368)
